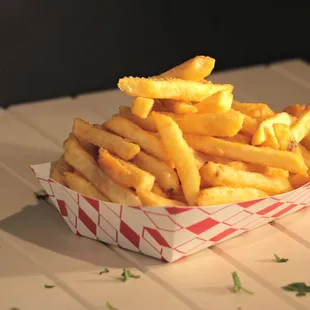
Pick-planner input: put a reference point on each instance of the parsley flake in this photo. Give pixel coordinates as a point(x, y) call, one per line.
point(279, 259)
point(105, 270)
point(49, 286)
point(237, 284)
point(299, 287)
point(109, 306)
point(128, 274)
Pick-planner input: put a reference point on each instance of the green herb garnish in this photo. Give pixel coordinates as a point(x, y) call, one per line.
point(128, 274)
point(279, 259)
point(109, 306)
point(237, 284)
point(105, 270)
point(299, 287)
point(48, 286)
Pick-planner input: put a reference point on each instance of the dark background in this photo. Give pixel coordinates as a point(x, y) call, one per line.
point(60, 48)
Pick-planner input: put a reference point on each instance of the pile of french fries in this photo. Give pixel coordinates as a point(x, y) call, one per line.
point(186, 142)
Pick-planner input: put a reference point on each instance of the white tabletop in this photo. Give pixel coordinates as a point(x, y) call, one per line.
point(38, 248)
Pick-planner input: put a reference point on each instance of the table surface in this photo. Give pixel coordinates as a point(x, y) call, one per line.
point(37, 247)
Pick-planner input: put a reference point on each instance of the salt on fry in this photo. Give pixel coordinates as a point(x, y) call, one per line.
point(84, 187)
point(264, 156)
point(113, 143)
point(180, 154)
point(221, 195)
point(224, 175)
point(169, 88)
point(194, 69)
point(82, 161)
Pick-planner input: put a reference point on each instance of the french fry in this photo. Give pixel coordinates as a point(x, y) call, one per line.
point(164, 175)
point(114, 144)
point(271, 141)
point(285, 137)
point(134, 133)
point(181, 155)
point(179, 196)
point(194, 69)
point(200, 158)
point(298, 180)
point(264, 156)
point(142, 107)
point(124, 173)
point(301, 127)
point(249, 126)
point(224, 175)
point(295, 109)
point(156, 189)
point(89, 148)
point(179, 107)
point(217, 103)
point(150, 199)
point(260, 135)
point(82, 186)
point(221, 195)
point(306, 155)
point(225, 124)
point(147, 124)
point(59, 170)
point(306, 141)
point(259, 111)
point(82, 161)
point(240, 138)
point(250, 167)
point(169, 88)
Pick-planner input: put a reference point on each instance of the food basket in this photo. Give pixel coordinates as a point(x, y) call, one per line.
point(167, 233)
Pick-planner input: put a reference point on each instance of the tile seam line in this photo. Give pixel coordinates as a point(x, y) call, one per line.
point(256, 277)
point(66, 288)
point(153, 276)
point(18, 117)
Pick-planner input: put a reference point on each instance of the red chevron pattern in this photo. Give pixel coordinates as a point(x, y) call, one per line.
point(167, 233)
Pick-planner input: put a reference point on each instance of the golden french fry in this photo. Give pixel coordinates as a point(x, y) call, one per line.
point(82, 161)
point(264, 156)
point(298, 180)
point(179, 196)
point(89, 148)
point(114, 144)
point(82, 186)
point(181, 155)
point(156, 189)
point(200, 158)
point(169, 88)
point(295, 109)
point(285, 137)
point(301, 127)
point(142, 107)
point(217, 103)
point(194, 69)
point(240, 138)
point(164, 175)
point(306, 155)
point(179, 107)
point(306, 141)
point(147, 124)
point(221, 195)
point(134, 133)
point(271, 141)
point(224, 175)
point(124, 173)
point(259, 111)
point(225, 124)
point(150, 199)
point(59, 170)
point(249, 126)
point(260, 135)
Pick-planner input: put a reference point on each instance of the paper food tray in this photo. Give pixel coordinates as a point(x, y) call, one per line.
point(167, 233)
